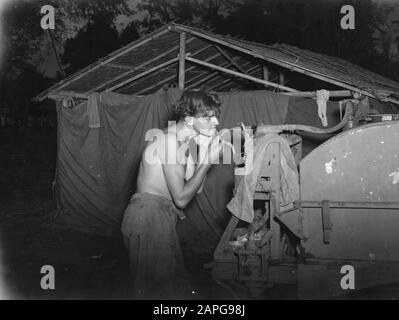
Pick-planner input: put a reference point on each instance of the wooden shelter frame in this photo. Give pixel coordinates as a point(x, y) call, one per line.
point(186, 36)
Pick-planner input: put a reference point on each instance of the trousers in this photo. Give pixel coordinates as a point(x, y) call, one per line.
point(155, 258)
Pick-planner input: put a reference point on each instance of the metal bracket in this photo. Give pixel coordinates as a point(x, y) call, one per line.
point(252, 265)
point(326, 217)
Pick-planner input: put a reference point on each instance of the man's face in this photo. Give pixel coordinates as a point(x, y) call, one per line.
point(206, 124)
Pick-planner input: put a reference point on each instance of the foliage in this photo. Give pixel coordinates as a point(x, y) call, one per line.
point(86, 30)
point(309, 24)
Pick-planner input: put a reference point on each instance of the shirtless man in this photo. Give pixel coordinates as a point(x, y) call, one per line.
point(149, 223)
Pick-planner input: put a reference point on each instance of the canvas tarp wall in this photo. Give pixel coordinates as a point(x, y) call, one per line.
point(97, 166)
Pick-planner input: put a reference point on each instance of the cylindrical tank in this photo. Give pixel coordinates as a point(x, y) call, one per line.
point(361, 164)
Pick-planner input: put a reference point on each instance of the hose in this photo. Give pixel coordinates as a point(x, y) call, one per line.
point(297, 127)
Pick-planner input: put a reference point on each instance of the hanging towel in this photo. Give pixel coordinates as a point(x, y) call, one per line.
point(242, 203)
point(322, 98)
point(92, 110)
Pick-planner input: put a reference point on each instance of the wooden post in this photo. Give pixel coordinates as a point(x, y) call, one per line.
point(275, 201)
point(289, 65)
point(174, 76)
point(182, 54)
point(136, 68)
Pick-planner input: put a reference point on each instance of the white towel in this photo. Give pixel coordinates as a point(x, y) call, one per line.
point(92, 110)
point(322, 98)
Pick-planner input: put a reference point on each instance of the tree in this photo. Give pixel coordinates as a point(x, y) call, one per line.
point(386, 38)
point(97, 37)
point(315, 25)
point(200, 12)
point(27, 46)
point(94, 41)
point(130, 33)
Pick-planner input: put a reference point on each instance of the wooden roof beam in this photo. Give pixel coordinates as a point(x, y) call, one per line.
point(240, 75)
point(175, 48)
point(67, 95)
point(173, 77)
point(213, 74)
point(182, 61)
point(206, 78)
point(120, 66)
point(285, 64)
point(224, 54)
point(312, 94)
point(180, 28)
point(96, 65)
point(214, 88)
point(195, 53)
point(160, 66)
point(391, 100)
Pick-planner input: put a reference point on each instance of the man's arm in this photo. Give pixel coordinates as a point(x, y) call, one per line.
point(182, 191)
point(201, 186)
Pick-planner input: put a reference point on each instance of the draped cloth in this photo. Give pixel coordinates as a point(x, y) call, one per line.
point(100, 147)
point(242, 203)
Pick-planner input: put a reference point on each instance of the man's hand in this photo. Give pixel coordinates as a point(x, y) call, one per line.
point(214, 151)
point(183, 191)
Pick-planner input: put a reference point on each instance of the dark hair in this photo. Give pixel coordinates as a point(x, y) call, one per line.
point(197, 103)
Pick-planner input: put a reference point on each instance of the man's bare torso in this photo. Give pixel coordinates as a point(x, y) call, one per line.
point(151, 177)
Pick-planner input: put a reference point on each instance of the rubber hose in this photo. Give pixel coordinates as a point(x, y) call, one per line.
point(297, 127)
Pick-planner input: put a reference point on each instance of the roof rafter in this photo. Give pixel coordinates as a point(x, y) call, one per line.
point(173, 77)
point(121, 66)
point(63, 83)
point(228, 80)
point(224, 54)
point(213, 74)
point(134, 62)
point(141, 75)
point(241, 75)
point(285, 64)
point(175, 48)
